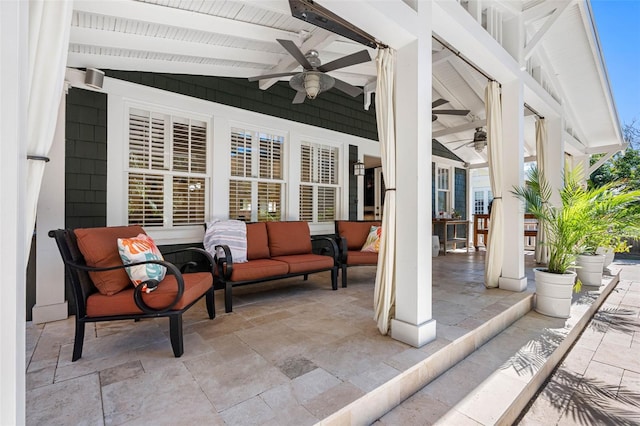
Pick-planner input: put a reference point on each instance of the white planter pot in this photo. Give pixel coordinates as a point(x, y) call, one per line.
point(553, 293)
point(589, 269)
point(609, 254)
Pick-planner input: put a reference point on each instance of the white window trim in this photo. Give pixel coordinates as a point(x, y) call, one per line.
point(315, 185)
point(221, 118)
point(119, 105)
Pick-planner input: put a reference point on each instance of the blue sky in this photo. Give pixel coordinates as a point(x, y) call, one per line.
point(618, 24)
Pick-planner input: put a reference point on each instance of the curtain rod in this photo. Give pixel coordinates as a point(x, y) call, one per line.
point(541, 117)
point(459, 55)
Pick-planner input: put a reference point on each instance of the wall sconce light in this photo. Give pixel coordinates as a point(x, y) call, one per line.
point(358, 168)
point(93, 78)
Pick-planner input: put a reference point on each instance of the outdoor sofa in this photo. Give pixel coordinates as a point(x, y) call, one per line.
point(351, 236)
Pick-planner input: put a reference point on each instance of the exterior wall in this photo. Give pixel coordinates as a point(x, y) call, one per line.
point(332, 110)
point(86, 159)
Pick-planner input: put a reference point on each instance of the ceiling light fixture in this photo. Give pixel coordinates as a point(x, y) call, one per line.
point(312, 83)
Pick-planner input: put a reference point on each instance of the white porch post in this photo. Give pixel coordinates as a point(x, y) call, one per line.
point(414, 323)
point(14, 32)
point(50, 300)
point(554, 157)
point(513, 276)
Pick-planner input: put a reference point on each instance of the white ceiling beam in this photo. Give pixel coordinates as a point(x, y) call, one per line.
point(461, 128)
point(319, 40)
point(173, 17)
point(606, 149)
point(466, 74)
point(538, 11)
point(277, 6)
point(392, 22)
point(441, 56)
point(530, 47)
point(119, 40)
point(155, 65)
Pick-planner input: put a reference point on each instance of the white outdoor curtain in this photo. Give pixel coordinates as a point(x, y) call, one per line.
point(542, 251)
point(494, 255)
point(49, 26)
point(385, 290)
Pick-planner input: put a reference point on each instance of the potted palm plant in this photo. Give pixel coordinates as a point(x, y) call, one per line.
point(564, 228)
point(613, 214)
point(586, 219)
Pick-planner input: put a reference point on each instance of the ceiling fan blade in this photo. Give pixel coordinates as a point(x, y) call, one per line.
point(346, 61)
point(299, 98)
point(451, 111)
point(463, 145)
point(280, 74)
point(347, 88)
point(295, 52)
point(438, 102)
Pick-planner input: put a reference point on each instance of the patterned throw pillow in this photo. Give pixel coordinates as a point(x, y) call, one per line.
point(372, 243)
point(139, 249)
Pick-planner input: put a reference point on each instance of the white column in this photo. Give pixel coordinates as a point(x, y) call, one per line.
point(513, 274)
point(414, 323)
point(13, 158)
point(554, 157)
point(50, 299)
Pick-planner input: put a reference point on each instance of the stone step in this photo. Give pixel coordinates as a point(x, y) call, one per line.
point(494, 383)
point(368, 408)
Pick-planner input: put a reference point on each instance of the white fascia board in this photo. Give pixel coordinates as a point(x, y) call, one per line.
point(594, 41)
point(157, 66)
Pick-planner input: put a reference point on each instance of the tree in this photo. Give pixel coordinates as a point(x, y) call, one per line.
point(623, 165)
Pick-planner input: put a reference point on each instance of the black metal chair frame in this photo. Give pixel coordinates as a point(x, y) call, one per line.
point(82, 287)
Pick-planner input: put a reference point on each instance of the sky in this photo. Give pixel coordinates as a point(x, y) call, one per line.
point(618, 25)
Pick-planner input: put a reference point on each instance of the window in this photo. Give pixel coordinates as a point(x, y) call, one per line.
point(478, 202)
point(443, 192)
point(167, 169)
point(255, 187)
point(319, 182)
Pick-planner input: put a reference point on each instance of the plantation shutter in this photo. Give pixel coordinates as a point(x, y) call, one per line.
point(319, 177)
point(167, 181)
point(269, 201)
point(240, 200)
point(240, 153)
point(146, 199)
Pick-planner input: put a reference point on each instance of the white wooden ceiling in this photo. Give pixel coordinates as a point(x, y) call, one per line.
point(237, 38)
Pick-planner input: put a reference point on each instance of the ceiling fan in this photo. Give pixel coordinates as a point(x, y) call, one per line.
point(314, 80)
point(436, 112)
point(478, 143)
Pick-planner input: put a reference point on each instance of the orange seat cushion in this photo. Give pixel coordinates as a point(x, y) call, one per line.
point(195, 285)
point(357, 257)
point(99, 246)
point(287, 238)
point(301, 263)
point(355, 232)
point(258, 269)
point(257, 241)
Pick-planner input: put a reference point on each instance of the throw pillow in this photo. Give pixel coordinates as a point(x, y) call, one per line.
point(232, 233)
point(139, 249)
point(372, 243)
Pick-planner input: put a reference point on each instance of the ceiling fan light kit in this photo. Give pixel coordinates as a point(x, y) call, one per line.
point(314, 78)
point(312, 83)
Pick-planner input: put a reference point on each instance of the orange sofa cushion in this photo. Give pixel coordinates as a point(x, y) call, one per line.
point(99, 246)
point(287, 238)
point(300, 263)
point(355, 232)
point(257, 269)
point(357, 257)
point(195, 285)
point(257, 241)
